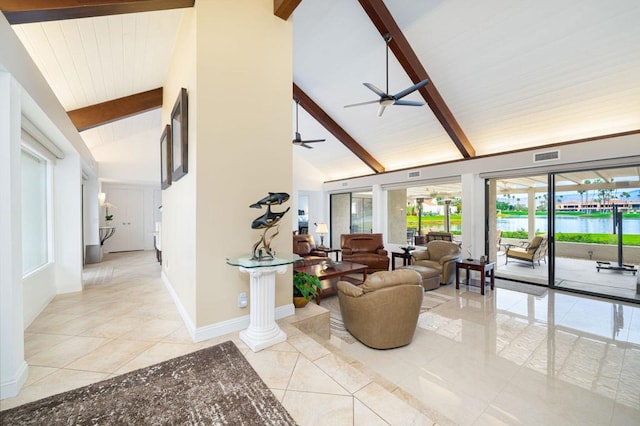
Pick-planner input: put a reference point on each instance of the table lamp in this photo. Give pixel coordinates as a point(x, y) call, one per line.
point(322, 230)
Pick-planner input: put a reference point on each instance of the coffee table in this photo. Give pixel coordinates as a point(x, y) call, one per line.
point(325, 275)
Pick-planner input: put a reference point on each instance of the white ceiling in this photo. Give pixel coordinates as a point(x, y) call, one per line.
point(514, 74)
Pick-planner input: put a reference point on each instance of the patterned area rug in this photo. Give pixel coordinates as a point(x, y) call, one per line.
point(429, 301)
point(213, 386)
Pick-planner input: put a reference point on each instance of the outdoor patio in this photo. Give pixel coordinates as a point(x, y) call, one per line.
point(577, 274)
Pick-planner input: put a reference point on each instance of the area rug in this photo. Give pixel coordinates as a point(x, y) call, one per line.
point(336, 325)
point(534, 290)
point(213, 386)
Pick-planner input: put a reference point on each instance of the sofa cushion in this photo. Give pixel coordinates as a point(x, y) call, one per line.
point(385, 279)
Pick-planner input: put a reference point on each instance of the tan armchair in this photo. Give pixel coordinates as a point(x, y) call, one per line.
point(529, 252)
point(383, 312)
point(305, 247)
point(367, 249)
point(440, 255)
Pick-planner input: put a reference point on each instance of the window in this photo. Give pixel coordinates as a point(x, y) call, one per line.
point(35, 212)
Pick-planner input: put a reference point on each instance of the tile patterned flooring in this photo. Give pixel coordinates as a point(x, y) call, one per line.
point(505, 358)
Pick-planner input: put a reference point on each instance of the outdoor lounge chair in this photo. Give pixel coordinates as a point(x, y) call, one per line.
point(529, 252)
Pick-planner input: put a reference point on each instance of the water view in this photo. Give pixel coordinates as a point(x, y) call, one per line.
point(568, 224)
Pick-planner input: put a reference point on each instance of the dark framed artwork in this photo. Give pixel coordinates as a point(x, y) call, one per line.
point(180, 136)
point(165, 158)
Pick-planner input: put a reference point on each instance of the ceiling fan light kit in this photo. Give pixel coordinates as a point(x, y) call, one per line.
point(298, 140)
point(386, 99)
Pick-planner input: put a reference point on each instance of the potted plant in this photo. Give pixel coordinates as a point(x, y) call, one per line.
point(304, 286)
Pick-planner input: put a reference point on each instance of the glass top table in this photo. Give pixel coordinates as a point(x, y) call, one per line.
point(247, 262)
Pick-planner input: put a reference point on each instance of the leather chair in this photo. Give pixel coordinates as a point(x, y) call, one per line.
point(440, 255)
point(305, 247)
point(367, 249)
point(383, 312)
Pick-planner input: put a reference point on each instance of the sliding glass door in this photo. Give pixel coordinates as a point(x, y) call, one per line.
point(518, 227)
point(597, 231)
point(579, 229)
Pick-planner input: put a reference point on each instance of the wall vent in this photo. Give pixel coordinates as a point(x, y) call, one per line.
point(345, 183)
point(414, 174)
point(546, 156)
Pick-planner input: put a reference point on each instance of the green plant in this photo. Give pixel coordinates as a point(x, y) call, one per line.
point(305, 285)
point(108, 217)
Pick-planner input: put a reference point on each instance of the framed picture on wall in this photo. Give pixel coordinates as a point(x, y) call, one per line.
point(180, 136)
point(165, 158)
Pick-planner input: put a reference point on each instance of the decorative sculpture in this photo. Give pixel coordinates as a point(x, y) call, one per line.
point(262, 249)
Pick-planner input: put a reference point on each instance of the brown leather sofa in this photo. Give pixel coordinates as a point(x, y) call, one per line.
point(383, 312)
point(305, 247)
point(440, 255)
point(367, 249)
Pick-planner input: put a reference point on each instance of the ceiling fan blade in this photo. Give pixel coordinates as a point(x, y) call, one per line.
point(411, 89)
point(306, 146)
point(362, 103)
point(314, 141)
point(375, 90)
point(381, 110)
point(408, 103)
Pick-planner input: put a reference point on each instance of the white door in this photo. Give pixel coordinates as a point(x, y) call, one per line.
point(128, 219)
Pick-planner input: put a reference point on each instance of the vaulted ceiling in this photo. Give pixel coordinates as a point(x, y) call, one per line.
point(503, 75)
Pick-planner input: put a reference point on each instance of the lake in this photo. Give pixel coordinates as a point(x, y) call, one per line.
point(571, 225)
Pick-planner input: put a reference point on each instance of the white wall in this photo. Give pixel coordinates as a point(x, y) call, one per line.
point(132, 160)
point(67, 210)
point(13, 368)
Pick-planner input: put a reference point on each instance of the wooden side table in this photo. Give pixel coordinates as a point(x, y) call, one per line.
point(405, 256)
point(330, 250)
point(476, 265)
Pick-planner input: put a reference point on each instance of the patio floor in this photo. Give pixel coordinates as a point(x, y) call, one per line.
point(577, 274)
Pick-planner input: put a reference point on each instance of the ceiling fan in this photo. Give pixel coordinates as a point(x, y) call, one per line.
point(386, 99)
point(298, 140)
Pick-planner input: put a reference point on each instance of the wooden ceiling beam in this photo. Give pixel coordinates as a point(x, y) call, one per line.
point(28, 11)
point(284, 8)
point(384, 22)
point(116, 109)
point(334, 128)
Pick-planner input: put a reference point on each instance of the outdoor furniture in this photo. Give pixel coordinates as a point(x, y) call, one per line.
point(436, 235)
point(440, 255)
point(365, 248)
point(383, 312)
point(532, 251)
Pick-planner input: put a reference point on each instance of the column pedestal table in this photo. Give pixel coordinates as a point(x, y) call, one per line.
point(263, 330)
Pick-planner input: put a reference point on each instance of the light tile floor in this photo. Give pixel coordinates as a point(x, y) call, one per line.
point(505, 358)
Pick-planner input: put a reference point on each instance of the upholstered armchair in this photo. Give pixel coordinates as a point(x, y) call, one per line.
point(529, 252)
point(383, 312)
point(305, 247)
point(440, 255)
point(367, 249)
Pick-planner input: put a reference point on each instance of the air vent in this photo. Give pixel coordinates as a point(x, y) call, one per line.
point(345, 183)
point(546, 156)
point(414, 174)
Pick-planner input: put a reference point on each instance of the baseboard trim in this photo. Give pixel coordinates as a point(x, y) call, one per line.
point(237, 324)
point(220, 328)
point(183, 312)
point(11, 388)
